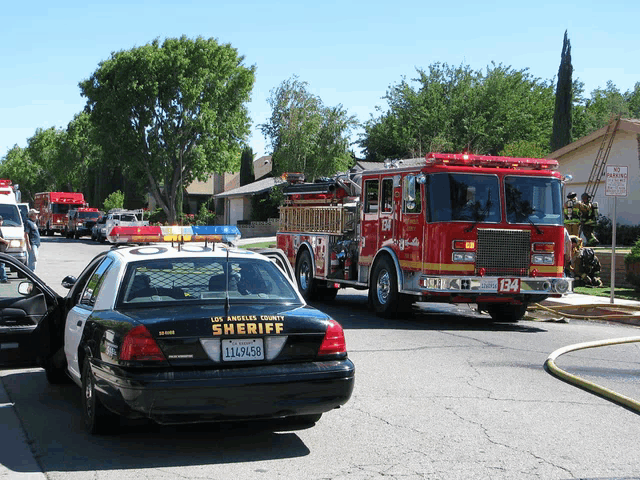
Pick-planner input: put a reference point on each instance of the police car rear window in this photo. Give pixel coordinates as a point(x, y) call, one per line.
point(204, 280)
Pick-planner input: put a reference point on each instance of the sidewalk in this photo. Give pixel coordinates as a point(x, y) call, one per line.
point(16, 459)
point(595, 308)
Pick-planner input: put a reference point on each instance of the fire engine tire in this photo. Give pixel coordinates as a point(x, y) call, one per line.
point(384, 288)
point(506, 313)
point(304, 276)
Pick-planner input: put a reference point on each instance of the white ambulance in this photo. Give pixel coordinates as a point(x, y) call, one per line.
point(12, 225)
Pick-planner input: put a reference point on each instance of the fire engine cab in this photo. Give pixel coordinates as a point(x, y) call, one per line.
point(452, 228)
point(54, 209)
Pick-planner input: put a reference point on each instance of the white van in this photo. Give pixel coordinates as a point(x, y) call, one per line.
point(12, 226)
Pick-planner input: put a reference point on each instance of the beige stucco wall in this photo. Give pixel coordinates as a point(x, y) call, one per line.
point(625, 151)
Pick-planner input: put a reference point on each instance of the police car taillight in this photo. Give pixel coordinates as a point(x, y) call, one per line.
point(139, 346)
point(333, 342)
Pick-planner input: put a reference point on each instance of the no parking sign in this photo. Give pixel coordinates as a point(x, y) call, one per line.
point(617, 179)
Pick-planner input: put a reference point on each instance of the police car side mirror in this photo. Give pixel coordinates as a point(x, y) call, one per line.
point(69, 281)
point(25, 288)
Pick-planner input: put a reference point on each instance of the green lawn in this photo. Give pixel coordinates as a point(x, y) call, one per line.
point(259, 245)
point(605, 291)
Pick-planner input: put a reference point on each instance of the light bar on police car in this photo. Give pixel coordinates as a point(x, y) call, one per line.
point(176, 233)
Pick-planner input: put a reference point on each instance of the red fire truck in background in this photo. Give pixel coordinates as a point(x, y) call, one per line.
point(54, 207)
point(452, 228)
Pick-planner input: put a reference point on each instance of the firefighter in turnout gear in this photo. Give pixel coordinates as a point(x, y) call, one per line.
point(584, 264)
point(588, 214)
point(571, 214)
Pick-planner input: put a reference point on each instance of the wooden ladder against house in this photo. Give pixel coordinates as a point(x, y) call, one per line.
point(597, 171)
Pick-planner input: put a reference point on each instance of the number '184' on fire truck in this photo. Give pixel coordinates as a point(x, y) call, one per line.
point(453, 228)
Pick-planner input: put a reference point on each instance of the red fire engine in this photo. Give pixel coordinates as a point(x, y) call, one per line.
point(452, 228)
point(54, 207)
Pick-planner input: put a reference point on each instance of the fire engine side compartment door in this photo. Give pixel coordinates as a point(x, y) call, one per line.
point(388, 213)
point(370, 220)
point(411, 225)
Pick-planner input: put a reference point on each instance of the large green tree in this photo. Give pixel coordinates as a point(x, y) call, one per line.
point(171, 112)
point(456, 108)
point(562, 116)
point(305, 135)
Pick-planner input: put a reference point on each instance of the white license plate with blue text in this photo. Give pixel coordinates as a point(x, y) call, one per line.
point(242, 349)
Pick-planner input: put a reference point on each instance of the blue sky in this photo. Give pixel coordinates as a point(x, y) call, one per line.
point(349, 52)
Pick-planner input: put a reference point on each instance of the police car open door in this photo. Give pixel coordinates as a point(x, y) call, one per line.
point(26, 305)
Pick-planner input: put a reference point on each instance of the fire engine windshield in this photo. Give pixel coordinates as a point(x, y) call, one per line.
point(60, 208)
point(464, 197)
point(88, 214)
point(535, 200)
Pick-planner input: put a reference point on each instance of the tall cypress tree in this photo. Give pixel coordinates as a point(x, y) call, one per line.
point(247, 174)
point(562, 121)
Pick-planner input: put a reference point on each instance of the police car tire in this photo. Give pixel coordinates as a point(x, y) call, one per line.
point(384, 272)
point(56, 375)
point(97, 419)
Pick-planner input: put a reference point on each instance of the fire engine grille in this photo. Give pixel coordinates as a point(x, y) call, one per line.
point(503, 252)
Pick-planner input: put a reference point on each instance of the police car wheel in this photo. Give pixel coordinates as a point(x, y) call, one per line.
point(384, 288)
point(97, 419)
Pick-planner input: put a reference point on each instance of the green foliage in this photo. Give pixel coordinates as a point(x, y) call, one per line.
point(265, 206)
point(459, 109)
point(305, 135)
point(562, 116)
point(114, 200)
point(157, 217)
point(170, 113)
point(247, 174)
point(524, 148)
point(632, 265)
point(625, 234)
point(205, 216)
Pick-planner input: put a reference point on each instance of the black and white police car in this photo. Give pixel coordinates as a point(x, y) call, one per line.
point(179, 332)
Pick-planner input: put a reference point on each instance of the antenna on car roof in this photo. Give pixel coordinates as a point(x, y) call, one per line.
point(226, 289)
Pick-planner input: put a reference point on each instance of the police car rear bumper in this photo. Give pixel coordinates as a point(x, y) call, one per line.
point(260, 392)
point(496, 285)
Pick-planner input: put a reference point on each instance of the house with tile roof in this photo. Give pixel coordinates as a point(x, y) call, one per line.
point(577, 159)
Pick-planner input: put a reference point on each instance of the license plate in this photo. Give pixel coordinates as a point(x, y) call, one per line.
point(239, 350)
point(508, 285)
point(489, 284)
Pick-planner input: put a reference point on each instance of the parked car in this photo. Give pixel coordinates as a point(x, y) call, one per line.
point(180, 334)
point(80, 221)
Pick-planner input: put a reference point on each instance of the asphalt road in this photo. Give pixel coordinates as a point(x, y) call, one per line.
point(440, 394)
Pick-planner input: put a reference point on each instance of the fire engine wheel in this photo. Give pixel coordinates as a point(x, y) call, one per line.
point(384, 295)
point(506, 313)
point(304, 276)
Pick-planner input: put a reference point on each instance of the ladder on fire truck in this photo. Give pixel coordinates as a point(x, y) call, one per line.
point(597, 171)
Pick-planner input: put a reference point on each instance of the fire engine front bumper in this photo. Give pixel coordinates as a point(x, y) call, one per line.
point(496, 285)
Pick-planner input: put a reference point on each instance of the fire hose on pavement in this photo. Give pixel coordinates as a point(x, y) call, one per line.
point(617, 398)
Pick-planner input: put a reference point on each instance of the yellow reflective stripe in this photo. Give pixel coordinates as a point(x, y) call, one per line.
point(546, 269)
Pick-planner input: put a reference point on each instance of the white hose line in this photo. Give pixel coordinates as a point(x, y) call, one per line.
point(602, 392)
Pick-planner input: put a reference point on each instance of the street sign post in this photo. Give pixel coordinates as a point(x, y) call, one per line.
point(616, 184)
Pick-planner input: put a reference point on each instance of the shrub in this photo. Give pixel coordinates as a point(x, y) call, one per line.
point(205, 216)
point(632, 265)
point(625, 234)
